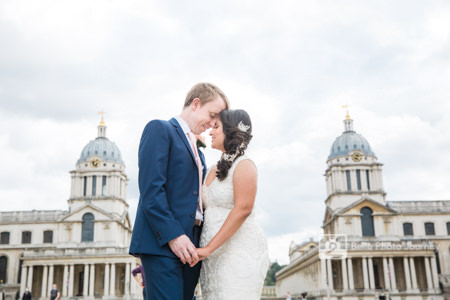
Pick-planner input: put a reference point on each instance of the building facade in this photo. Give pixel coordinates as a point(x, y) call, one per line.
point(84, 250)
point(371, 248)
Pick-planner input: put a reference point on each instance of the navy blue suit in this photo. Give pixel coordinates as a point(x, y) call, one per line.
point(169, 190)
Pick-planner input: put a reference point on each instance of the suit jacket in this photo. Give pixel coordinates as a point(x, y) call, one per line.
point(168, 186)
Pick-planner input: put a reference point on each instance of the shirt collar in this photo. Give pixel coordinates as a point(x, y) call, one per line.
point(183, 124)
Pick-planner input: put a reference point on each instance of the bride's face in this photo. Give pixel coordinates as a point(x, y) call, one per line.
point(217, 136)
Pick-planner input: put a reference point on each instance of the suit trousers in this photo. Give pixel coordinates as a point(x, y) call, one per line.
point(167, 278)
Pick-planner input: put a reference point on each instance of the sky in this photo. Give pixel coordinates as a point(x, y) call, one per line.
point(290, 64)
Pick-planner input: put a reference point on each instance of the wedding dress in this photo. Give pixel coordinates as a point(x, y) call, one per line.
point(237, 269)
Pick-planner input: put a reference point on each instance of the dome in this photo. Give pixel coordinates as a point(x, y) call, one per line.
point(101, 147)
point(349, 141)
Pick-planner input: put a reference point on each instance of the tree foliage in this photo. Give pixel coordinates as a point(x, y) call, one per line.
point(270, 277)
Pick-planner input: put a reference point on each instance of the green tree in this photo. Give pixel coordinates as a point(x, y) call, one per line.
point(270, 277)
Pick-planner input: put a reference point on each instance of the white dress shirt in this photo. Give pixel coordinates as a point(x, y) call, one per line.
point(186, 130)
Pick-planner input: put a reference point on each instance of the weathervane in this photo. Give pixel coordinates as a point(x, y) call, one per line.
point(347, 116)
point(101, 113)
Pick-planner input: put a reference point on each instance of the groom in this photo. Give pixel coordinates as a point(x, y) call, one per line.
point(169, 216)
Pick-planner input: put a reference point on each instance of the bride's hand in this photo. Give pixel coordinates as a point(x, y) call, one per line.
point(202, 254)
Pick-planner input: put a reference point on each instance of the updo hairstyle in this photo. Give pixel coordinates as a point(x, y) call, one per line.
point(237, 127)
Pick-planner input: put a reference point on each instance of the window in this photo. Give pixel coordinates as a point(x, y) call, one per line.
point(104, 186)
point(429, 228)
point(448, 228)
point(367, 222)
point(87, 228)
point(368, 181)
point(3, 268)
point(4, 238)
point(349, 184)
point(94, 185)
point(48, 236)
point(85, 186)
point(408, 229)
point(26, 237)
point(358, 179)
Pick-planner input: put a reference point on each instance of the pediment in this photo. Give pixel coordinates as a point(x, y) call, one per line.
point(125, 219)
point(328, 215)
point(375, 206)
point(99, 214)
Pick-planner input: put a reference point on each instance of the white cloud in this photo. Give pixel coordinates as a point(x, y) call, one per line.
point(290, 64)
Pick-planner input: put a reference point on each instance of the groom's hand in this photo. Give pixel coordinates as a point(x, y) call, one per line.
point(184, 249)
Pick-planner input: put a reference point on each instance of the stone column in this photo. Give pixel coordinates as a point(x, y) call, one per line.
point(44, 282)
point(407, 273)
point(413, 274)
point(23, 280)
point(330, 275)
point(365, 273)
point(428, 274)
point(106, 280)
point(64, 287)
point(344, 274)
point(92, 281)
point(323, 275)
point(351, 280)
point(50, 279)
point(85, 280)
point(387, 281)
point(371, 274)
point(133, 283)
point(434, 273)
point(127, 279)
point(71, 275)
point(112, 286)
point(392, 273)
point(30, 278)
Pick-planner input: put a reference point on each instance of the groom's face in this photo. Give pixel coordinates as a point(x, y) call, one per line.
point(205, 116)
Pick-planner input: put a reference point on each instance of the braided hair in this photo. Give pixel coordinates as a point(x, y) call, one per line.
point(237, 127)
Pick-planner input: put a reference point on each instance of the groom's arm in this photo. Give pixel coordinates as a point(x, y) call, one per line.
point(153, 164)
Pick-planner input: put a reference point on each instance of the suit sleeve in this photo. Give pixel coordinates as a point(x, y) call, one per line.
point(153, 163)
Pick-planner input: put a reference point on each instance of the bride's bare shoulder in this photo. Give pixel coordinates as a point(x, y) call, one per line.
point(245, 168)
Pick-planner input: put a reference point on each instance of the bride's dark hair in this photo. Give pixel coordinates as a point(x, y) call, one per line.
point(237, 127)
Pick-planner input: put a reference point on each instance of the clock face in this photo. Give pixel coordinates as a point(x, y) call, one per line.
point(356, 157)
point(95, 163)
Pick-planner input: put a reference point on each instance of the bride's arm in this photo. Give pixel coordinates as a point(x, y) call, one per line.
point(244, 184)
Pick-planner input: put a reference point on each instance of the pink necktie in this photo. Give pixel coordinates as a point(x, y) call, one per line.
point(193, 140)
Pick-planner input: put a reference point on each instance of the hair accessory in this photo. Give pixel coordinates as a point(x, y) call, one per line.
point(229, 157)
point(241, 146)
point(243, 127)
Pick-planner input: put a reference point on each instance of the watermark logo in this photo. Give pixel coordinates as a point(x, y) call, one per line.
point(333, 246)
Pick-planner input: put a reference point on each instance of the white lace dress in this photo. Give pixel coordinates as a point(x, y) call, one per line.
point(237, 269)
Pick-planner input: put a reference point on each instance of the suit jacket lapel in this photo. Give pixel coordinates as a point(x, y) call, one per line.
point(182, 136)
point(202, 158)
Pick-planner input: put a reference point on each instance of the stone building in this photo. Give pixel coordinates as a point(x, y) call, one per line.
point(371, 248)
point(83, 250)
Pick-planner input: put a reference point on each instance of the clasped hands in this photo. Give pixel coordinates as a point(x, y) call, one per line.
point(185, 250)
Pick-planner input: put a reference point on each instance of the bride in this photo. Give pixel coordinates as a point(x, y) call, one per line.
point(234, 247)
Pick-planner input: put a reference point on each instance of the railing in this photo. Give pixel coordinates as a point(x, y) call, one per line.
point(268, 291)
point(75, 252)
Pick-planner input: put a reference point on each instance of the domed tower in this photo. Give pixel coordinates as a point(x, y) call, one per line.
point(353, 172)
point(99, 178)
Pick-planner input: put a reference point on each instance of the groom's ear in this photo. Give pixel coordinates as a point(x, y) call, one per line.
point(196, 104)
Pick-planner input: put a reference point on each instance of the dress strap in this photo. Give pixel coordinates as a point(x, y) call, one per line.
point(237, 161)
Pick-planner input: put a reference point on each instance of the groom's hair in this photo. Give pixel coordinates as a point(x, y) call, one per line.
point(206, 92)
